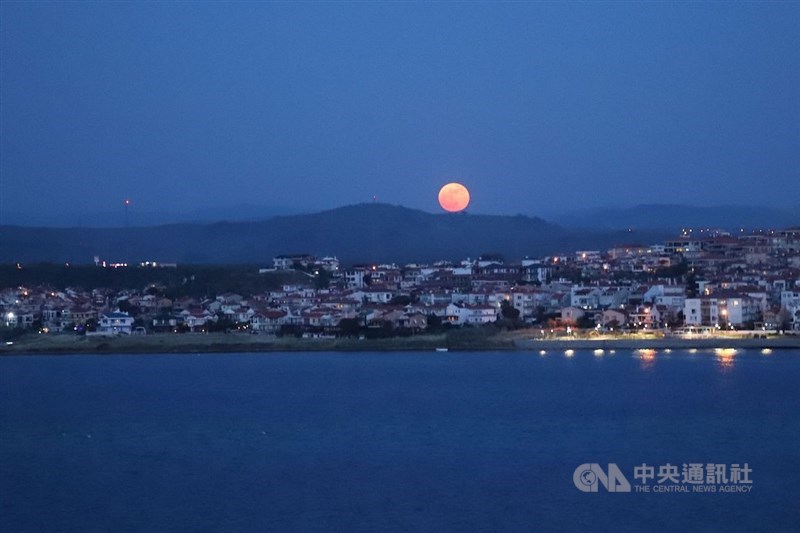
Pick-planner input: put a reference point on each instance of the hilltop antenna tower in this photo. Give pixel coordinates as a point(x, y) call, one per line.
point(127, 202)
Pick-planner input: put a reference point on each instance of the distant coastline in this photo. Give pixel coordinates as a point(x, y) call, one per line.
point(233, 343)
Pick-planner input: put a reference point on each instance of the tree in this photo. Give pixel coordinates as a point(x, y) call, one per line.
point(126, 307)
point(691, 285)
point(401, 299)
point(323, 279)
point(675, 271)
point(434, 321)
point(584, 322)
point(677, 321)
point(349, 326)
point(784, 320)
point(223, 323)
point(10, 334)
point(509, 311)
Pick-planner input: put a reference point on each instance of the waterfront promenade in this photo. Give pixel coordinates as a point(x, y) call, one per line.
point(673, 343)
point(464, 340)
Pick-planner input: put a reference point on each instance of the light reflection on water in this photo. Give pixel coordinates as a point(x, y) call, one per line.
point(647, 358)
point(725, 358)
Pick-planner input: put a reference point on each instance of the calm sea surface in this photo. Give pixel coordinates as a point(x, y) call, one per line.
point(392, 441)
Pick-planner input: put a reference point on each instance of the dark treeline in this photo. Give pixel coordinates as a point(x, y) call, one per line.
point(189, 280)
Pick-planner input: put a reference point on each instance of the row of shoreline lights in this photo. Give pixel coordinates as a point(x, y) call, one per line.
point(687, 231)
point(649, 353)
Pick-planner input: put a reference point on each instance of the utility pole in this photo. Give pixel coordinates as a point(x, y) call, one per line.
point(127, 258)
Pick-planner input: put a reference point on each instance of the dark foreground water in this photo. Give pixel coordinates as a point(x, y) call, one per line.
point(392, 441)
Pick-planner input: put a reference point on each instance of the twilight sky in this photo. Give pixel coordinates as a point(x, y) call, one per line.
point(536, 107)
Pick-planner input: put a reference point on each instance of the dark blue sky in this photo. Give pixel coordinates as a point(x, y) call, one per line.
point(536, 107)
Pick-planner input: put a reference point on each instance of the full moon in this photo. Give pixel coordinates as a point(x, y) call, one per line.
point(454, 197)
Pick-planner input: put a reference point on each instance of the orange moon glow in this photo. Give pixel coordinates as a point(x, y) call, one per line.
point(454, 197)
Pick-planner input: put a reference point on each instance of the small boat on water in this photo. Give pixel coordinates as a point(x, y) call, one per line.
point(441, 349)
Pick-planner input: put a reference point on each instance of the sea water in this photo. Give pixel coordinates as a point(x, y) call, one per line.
point(396, 441)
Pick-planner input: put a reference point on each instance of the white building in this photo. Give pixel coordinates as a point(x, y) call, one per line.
point(585, 297)
point(790, 301)
point(116, 322)
point(355, 278)
point(671, 296)
point(710, 311)
point(374, 296)
point(471, 314)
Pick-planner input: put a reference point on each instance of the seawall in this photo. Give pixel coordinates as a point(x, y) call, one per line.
point(674, 343)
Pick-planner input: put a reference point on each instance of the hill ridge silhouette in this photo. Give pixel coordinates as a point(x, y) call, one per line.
point(355, 233)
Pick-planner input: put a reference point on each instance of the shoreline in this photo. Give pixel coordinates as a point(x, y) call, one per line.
point(674, 343)
point(504, 341)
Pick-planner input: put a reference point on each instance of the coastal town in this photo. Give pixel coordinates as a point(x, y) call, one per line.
point(703, 281)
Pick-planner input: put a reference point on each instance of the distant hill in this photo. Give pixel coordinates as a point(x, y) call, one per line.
point(365, 232)
point(675, 217)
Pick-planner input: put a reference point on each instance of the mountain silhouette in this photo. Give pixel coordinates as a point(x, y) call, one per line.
point(356, 233)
